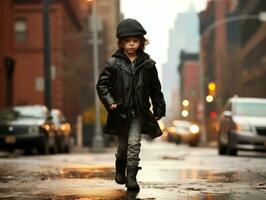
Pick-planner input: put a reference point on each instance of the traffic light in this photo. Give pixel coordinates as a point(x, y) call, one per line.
point(213, 114)
point(212, 89)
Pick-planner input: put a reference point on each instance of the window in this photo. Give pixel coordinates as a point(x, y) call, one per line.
point(20, 28)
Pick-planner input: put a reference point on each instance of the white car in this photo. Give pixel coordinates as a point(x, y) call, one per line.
point(242, 126)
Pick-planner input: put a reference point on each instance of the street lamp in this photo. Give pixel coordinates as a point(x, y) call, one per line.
point(97, 141)
point(261, 16)
point(47, 55)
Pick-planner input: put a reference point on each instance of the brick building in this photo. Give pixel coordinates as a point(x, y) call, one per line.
point(219, 46)
point(6, 53)
point(252, 55)
point(69, 56)
point(109, 11)
point(232, 52)
point(190, 84)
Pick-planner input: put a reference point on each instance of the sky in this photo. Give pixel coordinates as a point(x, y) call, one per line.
point(157, 17)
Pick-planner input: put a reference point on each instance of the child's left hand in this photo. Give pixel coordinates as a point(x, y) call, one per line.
point(157, 118)
point(113, 106)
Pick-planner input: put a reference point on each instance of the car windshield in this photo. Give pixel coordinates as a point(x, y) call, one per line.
point(23, 112)
point(257, 109)
point(185, 126)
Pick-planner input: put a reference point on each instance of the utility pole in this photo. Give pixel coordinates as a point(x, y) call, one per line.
point(47, 67)
point(97, 142)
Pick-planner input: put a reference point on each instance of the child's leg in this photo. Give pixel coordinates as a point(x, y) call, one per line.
point(134, 138)
point(121, 159)
point(121, 151)
point(133, 151)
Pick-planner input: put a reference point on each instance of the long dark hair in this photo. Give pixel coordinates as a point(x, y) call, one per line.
point(143, 42)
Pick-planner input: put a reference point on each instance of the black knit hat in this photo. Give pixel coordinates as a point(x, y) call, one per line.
point(129, 27)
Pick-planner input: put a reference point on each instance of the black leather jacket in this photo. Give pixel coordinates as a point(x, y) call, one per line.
point(115, 85)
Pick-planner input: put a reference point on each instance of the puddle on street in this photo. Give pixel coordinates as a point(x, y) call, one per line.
point(155, 184)
point(107, 173)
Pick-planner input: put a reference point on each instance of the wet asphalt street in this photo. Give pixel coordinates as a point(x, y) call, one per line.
point(168, 172)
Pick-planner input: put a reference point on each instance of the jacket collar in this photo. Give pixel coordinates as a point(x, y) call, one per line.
point(141, 56)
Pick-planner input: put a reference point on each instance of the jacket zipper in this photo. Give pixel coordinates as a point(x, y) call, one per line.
point(135, 89)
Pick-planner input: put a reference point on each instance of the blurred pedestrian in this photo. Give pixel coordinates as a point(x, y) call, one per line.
point(125, 86)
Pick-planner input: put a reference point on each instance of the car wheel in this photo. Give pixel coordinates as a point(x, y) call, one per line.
point(67, 145)
point(222, 148)
point(53, 149)
point(231, 151)
point(27, 151)
point(60, 145)
point(43, 149)
point(53, 145)
point(67, 149)
point(193, 144)
point(178, 140)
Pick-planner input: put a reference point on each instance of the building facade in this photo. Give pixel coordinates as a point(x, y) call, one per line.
point(252, 55)
point(232, 53)
point(69, 57)
point(190, 86)
point(181, 37)
point(219, 46)
point(7, 63)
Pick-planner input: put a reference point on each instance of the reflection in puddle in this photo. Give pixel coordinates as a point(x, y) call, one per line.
point(191, 174)
point(213, 196)
point(87, 173)
point(224, 177)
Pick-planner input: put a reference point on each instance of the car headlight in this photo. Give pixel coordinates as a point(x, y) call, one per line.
point(33, 130)
point(65, 128)
point(243, 127)
point(46, 127)
point(194, 129)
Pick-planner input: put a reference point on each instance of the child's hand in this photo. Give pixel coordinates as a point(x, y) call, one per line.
point(157, 118)
point(113, 106)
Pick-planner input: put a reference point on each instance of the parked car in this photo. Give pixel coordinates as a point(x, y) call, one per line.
point(242, 126)
point(170, 134)
point(27, 127)
point(63, 130)
point(188, 132)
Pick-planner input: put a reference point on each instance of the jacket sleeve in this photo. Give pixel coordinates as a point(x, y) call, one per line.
point(104, 84)
point(156, 94)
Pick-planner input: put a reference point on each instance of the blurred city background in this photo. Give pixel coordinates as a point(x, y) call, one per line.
point(51, 49)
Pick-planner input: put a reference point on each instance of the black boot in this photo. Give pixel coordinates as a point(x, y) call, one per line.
point(132, 183)
point(120, 166)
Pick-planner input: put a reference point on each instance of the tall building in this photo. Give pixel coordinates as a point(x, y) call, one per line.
point(184, 36)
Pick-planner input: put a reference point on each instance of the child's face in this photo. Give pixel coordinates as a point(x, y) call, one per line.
point(131, 45)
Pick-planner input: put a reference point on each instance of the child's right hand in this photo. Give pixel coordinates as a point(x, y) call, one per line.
point(113, 106)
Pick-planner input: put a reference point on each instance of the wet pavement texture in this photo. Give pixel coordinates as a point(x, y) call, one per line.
point(168, 172)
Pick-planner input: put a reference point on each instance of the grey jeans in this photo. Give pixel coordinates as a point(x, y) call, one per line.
point(129, 144)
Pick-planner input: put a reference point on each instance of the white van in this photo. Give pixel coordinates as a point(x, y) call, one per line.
point(242, 126)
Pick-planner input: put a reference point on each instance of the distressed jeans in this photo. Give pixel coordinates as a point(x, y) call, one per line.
point(129, 144)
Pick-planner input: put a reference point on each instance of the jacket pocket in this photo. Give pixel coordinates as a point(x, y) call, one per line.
point(115, 121)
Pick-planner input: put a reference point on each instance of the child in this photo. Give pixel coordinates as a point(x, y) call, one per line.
point(125, 86)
